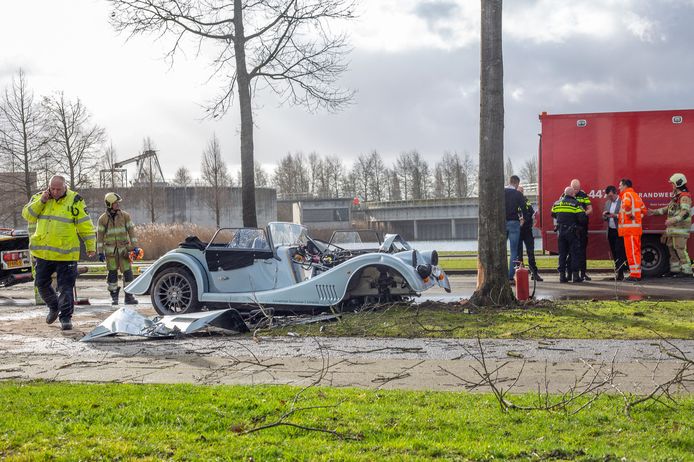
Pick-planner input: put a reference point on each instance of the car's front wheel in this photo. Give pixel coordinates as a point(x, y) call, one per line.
point(175, 291)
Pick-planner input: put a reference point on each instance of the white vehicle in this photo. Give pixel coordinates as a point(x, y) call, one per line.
point(15, 264)
point(282, 267)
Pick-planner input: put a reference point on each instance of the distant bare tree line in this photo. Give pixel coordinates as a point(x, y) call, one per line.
point(411, 176)
point(42, 136)
point(50, 135)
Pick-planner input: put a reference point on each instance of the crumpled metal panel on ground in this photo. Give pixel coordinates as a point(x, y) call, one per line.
point(128, 321)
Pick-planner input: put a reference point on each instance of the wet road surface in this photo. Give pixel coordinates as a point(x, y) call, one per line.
point(31, 349)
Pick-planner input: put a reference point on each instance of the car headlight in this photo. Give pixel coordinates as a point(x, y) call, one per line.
point(424, 271)
point(431, 257)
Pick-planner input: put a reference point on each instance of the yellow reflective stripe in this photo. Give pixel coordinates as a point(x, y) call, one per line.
point(630, 225)
point(683, 231)
point(56, 218)
point(83, 219)
point(31, 212)
point(89, 237)
point(54, 249)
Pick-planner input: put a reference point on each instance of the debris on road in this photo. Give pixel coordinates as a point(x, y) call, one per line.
point(130, 322)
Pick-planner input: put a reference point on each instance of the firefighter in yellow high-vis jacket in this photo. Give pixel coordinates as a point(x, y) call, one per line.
point(115, 239)
point(58, 218)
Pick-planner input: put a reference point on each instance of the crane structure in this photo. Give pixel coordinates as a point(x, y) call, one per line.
point(148, 172)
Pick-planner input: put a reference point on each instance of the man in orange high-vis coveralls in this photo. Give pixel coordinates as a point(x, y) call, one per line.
point(631, 214)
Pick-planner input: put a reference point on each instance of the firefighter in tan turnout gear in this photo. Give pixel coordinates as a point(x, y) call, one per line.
point(677, 225)
point(115, 238)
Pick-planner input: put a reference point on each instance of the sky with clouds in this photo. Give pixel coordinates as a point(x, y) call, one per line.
point(414, 67)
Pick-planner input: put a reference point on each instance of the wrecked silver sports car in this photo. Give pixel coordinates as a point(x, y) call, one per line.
point(282, 267)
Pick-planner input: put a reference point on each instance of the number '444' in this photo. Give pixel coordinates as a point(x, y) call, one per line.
point(595, 194)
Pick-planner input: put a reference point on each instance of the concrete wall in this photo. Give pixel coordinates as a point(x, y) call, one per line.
point(185, 205)
point(427, 219)
point(329, 214)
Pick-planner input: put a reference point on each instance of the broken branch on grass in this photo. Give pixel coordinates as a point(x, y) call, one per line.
point(663, 392)
point(283, 419)
point(536, 326)
point(490, 378)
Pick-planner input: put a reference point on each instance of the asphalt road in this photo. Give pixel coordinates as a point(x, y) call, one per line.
point(30, 349)
point(601, 287)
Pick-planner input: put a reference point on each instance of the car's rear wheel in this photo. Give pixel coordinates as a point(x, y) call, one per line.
point(655, 258)
point(175, 291)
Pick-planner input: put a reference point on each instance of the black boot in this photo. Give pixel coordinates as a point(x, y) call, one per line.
point(130, 299)
point(562, 277)
point(114, 296)
point(577, 277)
point(535, 275)
point(585, 277)
point(52, 315)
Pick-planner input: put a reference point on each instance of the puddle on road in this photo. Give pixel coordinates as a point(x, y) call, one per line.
point(566, 297)
point(6, 301)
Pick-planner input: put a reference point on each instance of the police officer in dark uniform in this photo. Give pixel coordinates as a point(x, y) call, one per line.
point(569, 216)
point(584, 202)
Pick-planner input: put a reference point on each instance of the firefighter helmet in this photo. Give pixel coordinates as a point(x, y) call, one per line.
point(678, 179)
point(111, 198)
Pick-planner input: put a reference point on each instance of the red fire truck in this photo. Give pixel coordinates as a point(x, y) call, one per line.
point(601, 148)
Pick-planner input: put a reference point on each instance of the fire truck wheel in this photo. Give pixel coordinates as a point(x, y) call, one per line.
point(655, 258)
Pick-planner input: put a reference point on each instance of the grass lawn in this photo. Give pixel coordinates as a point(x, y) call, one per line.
point(543, 262)
point(57, 421)
point(545, 319)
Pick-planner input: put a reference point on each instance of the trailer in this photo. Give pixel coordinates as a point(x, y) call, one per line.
point(601, 148)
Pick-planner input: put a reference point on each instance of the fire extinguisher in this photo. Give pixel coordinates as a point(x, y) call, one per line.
point(522, 278)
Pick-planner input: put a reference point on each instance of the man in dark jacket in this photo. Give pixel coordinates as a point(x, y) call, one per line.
point(515, 201)
point(584, 202)
point(570, 216)
point(527, 238)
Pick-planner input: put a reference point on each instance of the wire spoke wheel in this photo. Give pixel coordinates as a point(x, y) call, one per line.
point(174, 292)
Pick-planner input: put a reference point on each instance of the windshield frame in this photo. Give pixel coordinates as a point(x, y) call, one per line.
point(288, 234)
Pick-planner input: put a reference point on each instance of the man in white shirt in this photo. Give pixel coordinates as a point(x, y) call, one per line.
point(610, 214)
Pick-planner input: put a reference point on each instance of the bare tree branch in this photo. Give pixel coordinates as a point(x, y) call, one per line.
point(74, 142)
point(288, 47)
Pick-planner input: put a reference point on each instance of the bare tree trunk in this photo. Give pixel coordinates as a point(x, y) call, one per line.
point(217, 205)
point(150, 186)
point(286, 44)
point(492, 284)
point(244, 88)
